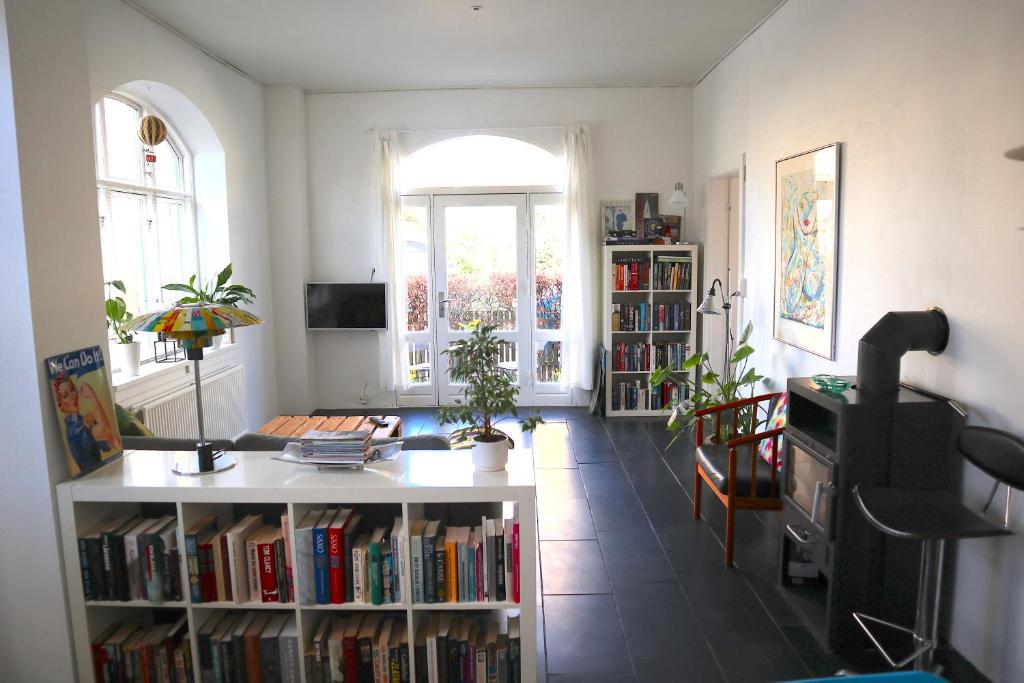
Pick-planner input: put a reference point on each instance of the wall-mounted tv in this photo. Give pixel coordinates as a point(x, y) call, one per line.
point(346, 306)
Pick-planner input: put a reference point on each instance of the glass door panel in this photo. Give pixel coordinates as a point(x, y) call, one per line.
point(548, 243)
point(481, 242)
point(415, 265)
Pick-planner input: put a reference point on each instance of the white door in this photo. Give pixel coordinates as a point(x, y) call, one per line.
point(481, 265)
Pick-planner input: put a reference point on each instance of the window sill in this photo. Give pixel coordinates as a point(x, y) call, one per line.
point(156, 380)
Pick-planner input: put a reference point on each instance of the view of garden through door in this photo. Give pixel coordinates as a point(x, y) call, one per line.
point(487, 258)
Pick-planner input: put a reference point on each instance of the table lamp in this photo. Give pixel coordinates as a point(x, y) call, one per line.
point(194, 326)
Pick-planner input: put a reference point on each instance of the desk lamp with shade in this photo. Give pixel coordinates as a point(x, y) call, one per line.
point(194, 326)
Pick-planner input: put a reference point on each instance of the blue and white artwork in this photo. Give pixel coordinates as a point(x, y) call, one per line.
point(617, 216)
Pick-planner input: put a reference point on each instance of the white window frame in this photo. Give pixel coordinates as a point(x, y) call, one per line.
point(147, 188)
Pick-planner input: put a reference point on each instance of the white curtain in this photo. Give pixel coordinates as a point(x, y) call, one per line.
point(581, 256)
point(391, 375)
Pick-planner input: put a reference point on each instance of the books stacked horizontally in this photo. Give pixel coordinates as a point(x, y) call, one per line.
point(335, 448)
point(454, 647)
point(249, 646)
point(343, 558)
point(465, 564)
point(361, 648)
point(131, 558)
point(246, 561)
point(132, 652)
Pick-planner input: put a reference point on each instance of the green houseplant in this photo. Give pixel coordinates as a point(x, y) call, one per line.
point(118, 318)
point(713, 390)
point(490, 393)
point(217, 291)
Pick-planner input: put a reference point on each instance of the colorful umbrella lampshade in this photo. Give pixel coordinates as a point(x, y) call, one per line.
point(194, 326)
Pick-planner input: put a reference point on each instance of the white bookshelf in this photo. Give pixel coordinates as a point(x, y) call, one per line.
point(651, 296)
point(417, 483)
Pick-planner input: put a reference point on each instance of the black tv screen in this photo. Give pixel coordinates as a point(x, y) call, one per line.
point(344, 306)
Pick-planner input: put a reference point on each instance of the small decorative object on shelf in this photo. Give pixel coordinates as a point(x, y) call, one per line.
point(491, 391)
point(831, 383)
point(617, 216)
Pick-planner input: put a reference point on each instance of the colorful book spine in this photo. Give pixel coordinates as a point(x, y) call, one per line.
point(321, 572)
point(336, 564)
point(515, 560)
point(268, 573)
point(429, 571)
point(376, 574)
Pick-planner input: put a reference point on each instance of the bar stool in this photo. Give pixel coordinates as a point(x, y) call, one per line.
point(934, 517)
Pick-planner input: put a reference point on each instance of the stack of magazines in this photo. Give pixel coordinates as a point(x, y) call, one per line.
point(335, 448)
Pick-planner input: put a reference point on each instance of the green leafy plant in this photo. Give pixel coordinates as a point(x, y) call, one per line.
point(490, 393)
point(217, 291)
point(714, 390)
point(118, 316)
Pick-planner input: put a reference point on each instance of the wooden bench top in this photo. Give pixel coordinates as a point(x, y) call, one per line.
point(297, 425)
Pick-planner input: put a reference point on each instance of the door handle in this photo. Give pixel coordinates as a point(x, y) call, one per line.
point(441, 301)
point(820, 488)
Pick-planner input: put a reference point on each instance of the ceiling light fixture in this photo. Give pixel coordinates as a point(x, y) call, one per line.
point(476, 8)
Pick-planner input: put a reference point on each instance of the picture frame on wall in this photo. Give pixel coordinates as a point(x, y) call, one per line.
point(616, 216)
point(807, 192)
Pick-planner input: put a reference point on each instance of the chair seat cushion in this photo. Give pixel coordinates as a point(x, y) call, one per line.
point(714, 460)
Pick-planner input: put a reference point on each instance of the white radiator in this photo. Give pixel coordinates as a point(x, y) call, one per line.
point(174, 416)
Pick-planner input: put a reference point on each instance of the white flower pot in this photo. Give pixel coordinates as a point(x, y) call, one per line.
point(490, 456)
point(130, 358)
point(217, 340)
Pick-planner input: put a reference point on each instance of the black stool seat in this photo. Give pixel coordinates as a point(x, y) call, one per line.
point(922, 515)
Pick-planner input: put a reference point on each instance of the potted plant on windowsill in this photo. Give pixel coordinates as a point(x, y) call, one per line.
point(490, 394)
point(217, 291)
point(118, 318)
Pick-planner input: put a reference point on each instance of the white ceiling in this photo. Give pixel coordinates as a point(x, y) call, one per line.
point(400, 44)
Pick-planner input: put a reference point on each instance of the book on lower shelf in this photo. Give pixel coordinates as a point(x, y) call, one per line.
point(131, 558)
point(631, 317)
point(480, 647)
point(127, 651)
point(462, 564)
point(361, 648)
point(248, 646)
point(671, 317)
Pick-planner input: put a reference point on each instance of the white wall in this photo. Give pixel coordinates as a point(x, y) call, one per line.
point(642, 141)
point(925, 97)
point(50, 271)
point(125, 46)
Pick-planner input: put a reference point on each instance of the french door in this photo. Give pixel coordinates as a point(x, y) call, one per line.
point(492, 259)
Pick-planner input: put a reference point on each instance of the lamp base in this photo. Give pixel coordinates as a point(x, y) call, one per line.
point(203, 461)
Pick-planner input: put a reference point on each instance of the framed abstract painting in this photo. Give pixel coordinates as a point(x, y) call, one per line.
point(806, 249)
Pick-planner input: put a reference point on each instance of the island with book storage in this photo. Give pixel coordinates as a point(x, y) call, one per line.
point(650, 318)
point(406, 570)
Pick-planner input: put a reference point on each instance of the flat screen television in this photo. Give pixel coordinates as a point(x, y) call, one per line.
point(346, 306)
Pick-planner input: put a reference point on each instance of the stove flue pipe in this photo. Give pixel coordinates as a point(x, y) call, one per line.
point(880, 350)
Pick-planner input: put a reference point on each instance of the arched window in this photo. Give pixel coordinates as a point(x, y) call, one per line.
point(481, 160)
point(146, 205)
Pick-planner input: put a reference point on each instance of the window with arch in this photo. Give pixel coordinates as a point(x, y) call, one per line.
point(146, 205)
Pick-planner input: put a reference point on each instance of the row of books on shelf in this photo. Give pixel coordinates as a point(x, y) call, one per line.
point(644, 357)
point(131, 558)
point(644, 317)
point(637, 395)
point(672, 272)
point(448, 648)
point(249, 647)
point(129, 652)
point(246, 561)
point(631, 273)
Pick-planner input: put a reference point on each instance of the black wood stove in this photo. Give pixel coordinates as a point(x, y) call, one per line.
point(876, 433)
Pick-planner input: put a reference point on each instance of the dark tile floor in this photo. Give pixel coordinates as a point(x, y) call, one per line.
point(633, 588)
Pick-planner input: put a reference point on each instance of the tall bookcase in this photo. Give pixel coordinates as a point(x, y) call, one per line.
point(642, 327)
point(416, 485)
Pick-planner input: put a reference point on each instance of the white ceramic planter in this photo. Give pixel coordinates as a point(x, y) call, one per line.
point(130, 358)
point(490, 456)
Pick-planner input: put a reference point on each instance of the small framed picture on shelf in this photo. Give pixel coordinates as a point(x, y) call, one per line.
point(673, 228)
point(617, 216)
point(654, 228)
point(646, 206)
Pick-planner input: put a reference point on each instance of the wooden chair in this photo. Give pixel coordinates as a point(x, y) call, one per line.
point(740, 486)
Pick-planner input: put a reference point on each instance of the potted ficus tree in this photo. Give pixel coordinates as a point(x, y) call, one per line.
point(217, 291)
point(713, 390)
point(490, 395)
point(118, 318)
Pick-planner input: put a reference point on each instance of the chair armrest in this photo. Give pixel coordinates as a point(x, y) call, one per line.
point(737, 404)
point(754, 438)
